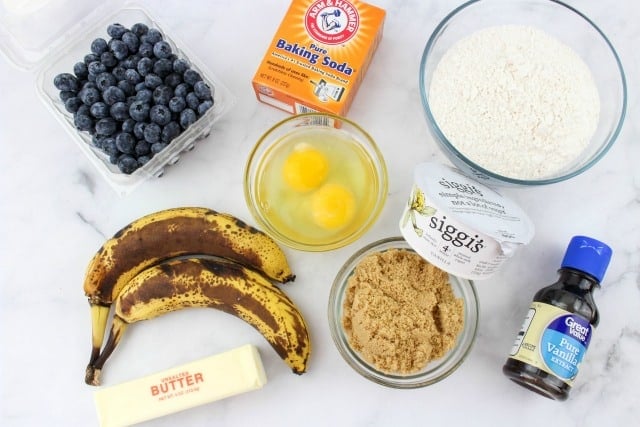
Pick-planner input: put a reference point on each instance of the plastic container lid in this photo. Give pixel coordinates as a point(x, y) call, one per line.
point(31, 30)
point(588, 255)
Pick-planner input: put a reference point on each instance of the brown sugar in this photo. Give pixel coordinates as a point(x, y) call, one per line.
point(400, 312)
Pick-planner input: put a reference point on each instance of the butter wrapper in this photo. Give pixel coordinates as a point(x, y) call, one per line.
point(213, 378)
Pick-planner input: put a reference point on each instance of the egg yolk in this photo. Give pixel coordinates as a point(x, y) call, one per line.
point(332, 206)
point(305, 168)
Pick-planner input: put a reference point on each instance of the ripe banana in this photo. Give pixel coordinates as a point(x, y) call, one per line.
point(224, 285)
point(167, 234)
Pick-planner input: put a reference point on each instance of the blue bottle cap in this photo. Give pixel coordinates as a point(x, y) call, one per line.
point(588, 255)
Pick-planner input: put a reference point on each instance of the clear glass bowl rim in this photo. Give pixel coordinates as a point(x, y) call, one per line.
point(432, 122)
point(421, 379)
point(377, 160)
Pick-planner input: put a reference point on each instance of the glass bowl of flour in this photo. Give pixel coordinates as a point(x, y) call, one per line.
point(522, 93)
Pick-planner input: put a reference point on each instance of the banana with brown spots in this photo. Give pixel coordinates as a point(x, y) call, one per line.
point(168, 234)
point(224, 285)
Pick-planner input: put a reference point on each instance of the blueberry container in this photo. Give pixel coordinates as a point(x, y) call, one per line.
point(48, 37)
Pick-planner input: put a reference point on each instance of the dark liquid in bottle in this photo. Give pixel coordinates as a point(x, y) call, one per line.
point(572, 293)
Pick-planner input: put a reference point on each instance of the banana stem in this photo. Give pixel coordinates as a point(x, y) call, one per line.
point(92, 374)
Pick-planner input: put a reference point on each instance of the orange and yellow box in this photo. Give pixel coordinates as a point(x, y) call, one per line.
point(319, 56)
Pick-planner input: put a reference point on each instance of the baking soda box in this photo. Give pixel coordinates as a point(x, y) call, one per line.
point(319, 56)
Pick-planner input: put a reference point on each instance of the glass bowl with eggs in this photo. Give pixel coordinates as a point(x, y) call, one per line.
point(522, 93)
point(315, 181)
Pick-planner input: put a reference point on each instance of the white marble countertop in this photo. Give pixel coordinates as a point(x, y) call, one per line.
point(56, 212)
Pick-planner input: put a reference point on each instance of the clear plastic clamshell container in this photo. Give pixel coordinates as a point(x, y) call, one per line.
point(48, 37)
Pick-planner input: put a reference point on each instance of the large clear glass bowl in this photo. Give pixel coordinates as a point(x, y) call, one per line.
point(559, 20)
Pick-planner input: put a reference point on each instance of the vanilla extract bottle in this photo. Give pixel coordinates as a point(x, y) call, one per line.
point(557, 329)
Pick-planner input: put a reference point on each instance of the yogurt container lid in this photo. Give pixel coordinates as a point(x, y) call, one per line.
point(480, 207)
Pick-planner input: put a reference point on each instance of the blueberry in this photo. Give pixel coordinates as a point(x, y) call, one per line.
point(104, 80)
point(108, 59)
point(128, 125)
point(141, 86)
point(116, 30)
point(131, 61)
point(170, 131)
point(89, 95)
point(119, 111)
point(65, 81)
point(173, 79)
point(187, 118)
point(119, 49)
point(160, 114)
point(98, 140)
point(158, 147)
point(162, 95)
point(126, 143)
point(83, 122)
point(152, 81)
point(142, 148)
point(72, 104)
point(180, 66)
point(145, 95)
point(182, 90)
point(138, 129)
point(192, 101)
point(152, 133)
point(145, 50)
point(145, 66)
point(91, 77)
point(132, 41)
point(113, 94)
point(84, 110)
point(90, 57)
point(66, 94)
point(143, 160)
point(132, 76)
point(161, 49)
point(99, 110)
point(177, 104)
point(191, 77)
point(96, 67)
point(106, 126)
point(153, 36)
point(109, 146)
point(162, 67)
point(98, 46)
point(87, 84)
point(127, 164)
point(204, 106)
point(202, 90)
point(118, 72)
point(139, 111)
point(127, 87)
point(80, 70)
point(139, 29)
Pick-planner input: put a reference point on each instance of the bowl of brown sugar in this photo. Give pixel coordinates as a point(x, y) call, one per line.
point(399, 321)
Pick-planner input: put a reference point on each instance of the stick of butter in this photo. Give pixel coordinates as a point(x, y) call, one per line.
point(176, 389)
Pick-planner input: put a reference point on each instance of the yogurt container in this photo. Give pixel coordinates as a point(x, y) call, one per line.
point(460, 225)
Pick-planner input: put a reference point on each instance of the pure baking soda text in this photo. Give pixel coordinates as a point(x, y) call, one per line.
point(319, 55)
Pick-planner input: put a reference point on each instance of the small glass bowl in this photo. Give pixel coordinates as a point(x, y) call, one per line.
point(260, 159)
point(434, 371)
point(559, 20)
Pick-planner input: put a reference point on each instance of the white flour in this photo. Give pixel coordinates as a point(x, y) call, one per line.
point(515, 101)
